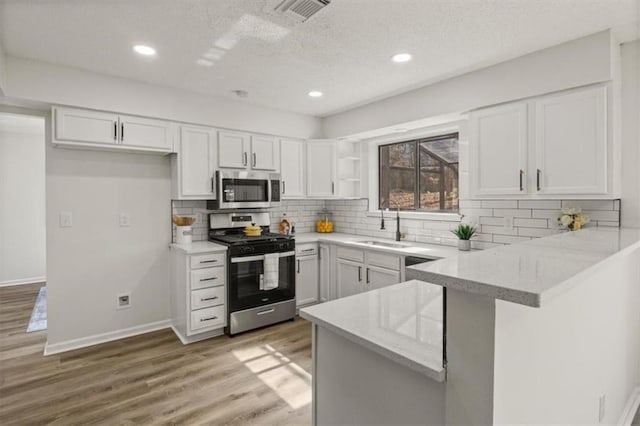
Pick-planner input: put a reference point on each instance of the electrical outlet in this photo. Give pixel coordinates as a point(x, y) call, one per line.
point(508, 222)
point(125, 219)
point(123, 301)
point(66, 220)
point(602, 400)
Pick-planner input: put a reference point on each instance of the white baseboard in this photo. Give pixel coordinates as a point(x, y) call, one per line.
point(202, 336)
point(69, 345)
point(631, 408)
point(23, 281)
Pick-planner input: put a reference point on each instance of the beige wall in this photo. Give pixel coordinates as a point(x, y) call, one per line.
point(631, 134)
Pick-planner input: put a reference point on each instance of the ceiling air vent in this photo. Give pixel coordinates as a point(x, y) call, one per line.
point(301, 10)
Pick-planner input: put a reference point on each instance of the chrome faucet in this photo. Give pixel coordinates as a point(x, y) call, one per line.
point(398, 234)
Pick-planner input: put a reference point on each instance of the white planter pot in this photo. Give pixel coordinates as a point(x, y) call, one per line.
point(464, 245)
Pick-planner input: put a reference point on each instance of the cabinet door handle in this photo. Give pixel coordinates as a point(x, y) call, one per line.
point(213, 191)
point(368, 276)
point(298, 265)
point(359, 273)
point(307, 250)
point(333, 188)
point(521, 177)
point(244, 158)
point(254, 160)
point(115, 130)
point(208, 279)
point(538, 173)
point(208, 261)
point(121, 132)
point(283, 190)
point(204, 299)
point(208, 319)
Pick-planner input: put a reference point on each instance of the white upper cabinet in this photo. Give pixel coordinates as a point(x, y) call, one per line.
point(145, 133)
point(194, 167)
point(239, 150)
point(292, 168)
point(498, 150)
point(233, 149)
point(78, 125)
point(548, 147)
point(94, 129)
point(571, 143)
point(265, 153)
point(321, 168)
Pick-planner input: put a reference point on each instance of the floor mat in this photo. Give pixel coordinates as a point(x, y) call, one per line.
point(38, 320)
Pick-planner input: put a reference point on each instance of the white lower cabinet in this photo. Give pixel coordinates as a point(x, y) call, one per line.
point(363, 270)
point(326, 272)
point(306, 274)
point(198, 295)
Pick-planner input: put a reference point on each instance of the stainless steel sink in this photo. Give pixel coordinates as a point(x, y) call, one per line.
point(383, 244)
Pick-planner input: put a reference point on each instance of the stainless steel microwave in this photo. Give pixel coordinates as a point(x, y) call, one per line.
point(245, 190)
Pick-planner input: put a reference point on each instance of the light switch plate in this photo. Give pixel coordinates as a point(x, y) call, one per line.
point(125, 219)
point(66, 220)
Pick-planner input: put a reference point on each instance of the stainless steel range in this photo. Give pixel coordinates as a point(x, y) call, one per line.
point(260, 271)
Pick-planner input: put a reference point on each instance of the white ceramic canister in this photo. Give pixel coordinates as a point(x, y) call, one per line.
point(183, 234)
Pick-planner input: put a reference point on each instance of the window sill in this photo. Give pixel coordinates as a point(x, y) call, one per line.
point(444, 217)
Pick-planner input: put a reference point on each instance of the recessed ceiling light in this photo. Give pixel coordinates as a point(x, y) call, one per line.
point(315, 94)
point(144, 50)
point(401, 57)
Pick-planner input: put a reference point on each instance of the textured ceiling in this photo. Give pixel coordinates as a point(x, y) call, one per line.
point(343, 51)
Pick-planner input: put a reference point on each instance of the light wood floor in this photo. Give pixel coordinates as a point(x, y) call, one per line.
point(261, 377)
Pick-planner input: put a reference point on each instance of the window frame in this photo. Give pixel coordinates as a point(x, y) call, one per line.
point(370, 146)
point(418, 172)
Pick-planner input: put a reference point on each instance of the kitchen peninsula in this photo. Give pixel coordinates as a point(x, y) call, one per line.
point(545, 331)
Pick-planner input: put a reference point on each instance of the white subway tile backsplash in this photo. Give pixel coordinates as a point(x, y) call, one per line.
point(540, 204)
point(471, 204)
point(546, 214)
point(499, 230)
point(490, 220)
point(611, 215)
point(589, 204)
point(536, 232)
point(526, 213)
point(531, 223)
point(500, 204)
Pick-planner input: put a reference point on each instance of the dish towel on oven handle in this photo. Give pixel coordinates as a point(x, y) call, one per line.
point(271, 271)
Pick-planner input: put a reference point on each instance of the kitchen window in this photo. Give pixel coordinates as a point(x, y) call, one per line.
point(420, 175)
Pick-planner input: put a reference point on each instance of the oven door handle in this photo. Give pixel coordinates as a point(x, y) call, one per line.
point(259, 257)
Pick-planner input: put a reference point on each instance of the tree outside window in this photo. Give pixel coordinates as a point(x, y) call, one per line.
point(420, 175)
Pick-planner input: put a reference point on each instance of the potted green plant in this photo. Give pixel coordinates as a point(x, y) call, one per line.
point(464, 232)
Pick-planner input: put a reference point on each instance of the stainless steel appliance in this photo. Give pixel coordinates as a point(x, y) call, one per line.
point(244, 189)
point(260, 271)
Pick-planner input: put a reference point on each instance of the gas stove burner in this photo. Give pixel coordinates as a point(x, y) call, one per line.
point(236, 239)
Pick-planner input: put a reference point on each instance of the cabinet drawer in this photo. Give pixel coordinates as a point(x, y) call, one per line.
point(383, 260)
point(207, 260)
point(350, 254)
point(208, 317)
point(207, 277)
point(306, 249)
point(207, 297)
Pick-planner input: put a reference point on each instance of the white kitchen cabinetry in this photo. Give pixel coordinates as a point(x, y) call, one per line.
point(364, 270)
point(233, 149)
point(349, 169)
point(239, 150)
point(292, 170)
point(77, 128)
point(321, 168)
point(306, 274)
point(265, 153)
point(499, 150)
point(326, 272)
point(194, 167)
point(198, 296)
point(552, 146)
point(571, 143)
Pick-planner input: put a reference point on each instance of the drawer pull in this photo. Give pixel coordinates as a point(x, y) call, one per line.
point(208, 279)
point(268, 311)
point(307, 250)
point(209, 261)
point(208, 319)
point(208, 298)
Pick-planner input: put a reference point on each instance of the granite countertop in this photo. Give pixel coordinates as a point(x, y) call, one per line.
point(408, 248)
point(402, 322)
point(532, 272)
point(197, 247)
